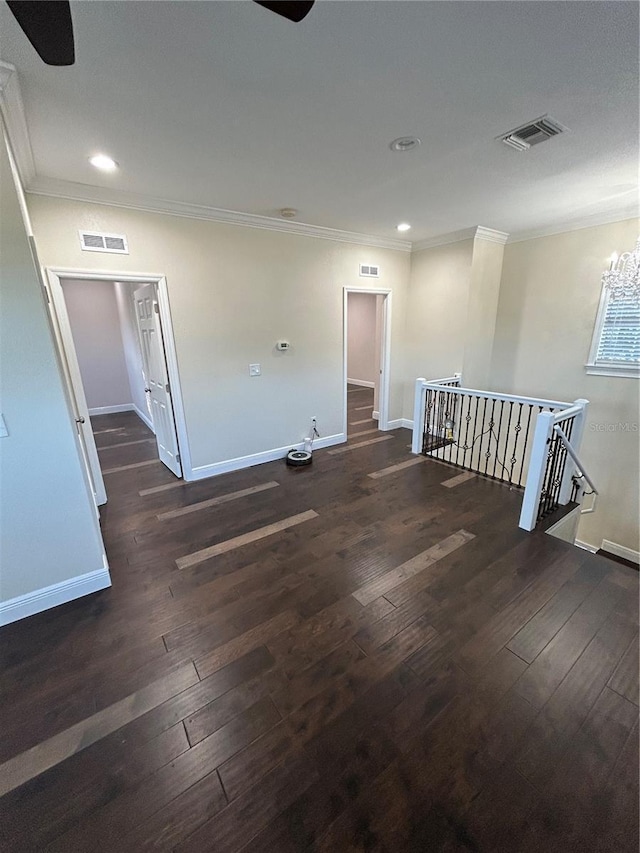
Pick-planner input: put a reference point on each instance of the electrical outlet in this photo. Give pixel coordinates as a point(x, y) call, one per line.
point(255, 370)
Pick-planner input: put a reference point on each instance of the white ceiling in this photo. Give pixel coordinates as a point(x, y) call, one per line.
point(224, 104)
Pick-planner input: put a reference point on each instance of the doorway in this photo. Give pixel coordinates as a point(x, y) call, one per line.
point(367, 324)
point(115, 338)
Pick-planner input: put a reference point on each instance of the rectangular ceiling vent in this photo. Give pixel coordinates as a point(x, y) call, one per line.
point(532, 133)
point(94, 241)
point(369, 271)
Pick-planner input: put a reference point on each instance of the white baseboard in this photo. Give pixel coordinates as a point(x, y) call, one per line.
point(54, 595)
point(586, 546)
point(404, 423)
point(621, 551)
point(203, 471)
point(143, 417)
point(112, 410)
point(375, 415)
point(362, 382)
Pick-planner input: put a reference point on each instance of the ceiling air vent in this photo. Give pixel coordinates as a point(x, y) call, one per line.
point(368, 271)
point(522, 138)
point(94, 241)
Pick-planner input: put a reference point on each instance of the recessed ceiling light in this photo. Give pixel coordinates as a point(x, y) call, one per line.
point(404, 226)
point(404, 143)
point(104, 163)
point(288, 212)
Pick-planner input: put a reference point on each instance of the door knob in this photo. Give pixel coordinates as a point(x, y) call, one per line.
point(147, 390)
point(79, 420)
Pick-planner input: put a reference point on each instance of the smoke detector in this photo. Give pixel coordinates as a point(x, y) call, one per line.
point(532, 133)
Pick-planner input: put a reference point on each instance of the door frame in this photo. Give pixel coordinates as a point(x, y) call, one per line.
point(385, 351)
point(54, 275)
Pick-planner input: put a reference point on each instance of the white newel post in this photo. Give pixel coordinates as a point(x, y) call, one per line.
point(419, 399)
point(537, 467)
point(579, 424)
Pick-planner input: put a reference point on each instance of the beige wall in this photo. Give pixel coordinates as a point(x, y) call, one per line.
point(548, 300)
point(48, 530)
point(235, 291)
point(437, 314)
point(95, 326)
point(362, 350)
point(482, 309)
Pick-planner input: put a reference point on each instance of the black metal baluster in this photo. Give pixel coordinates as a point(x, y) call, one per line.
point(466, 431)
point(514, 450)
point(473, 433)
point(495, 461)
point(484, 417)
point(545, 480)
point(526, 442)
point(487, 454)
point(515, 441)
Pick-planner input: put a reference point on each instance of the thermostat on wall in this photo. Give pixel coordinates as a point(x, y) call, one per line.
point(283, 345)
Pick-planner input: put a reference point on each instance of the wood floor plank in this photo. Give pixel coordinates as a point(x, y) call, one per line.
point(625, 677)
point(412, 567)
point(345, 449)
point(357, 423)
point(540, 630)
point(217, 501)
point(236, 825)
point(457, 480)
point(245, 539)
point(550, 667)
point(154, 490)
point(250, 640)
point(130, 466)
point(100, 447)
point(47, 754)
point(499, 631)
point(399, 466)
point(362, 408)
point(566, 817)
point(555, 726)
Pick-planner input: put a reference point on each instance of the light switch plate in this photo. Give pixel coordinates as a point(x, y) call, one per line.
point(3, 427)
point(255, 370)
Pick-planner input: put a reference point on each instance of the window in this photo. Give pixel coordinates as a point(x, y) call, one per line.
point(615, 349)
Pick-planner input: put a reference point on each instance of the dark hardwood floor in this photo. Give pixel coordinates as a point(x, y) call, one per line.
point(345, 662)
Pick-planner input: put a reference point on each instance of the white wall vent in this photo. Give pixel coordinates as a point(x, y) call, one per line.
point(369, 271)
point(94, 241)
point(532, 133)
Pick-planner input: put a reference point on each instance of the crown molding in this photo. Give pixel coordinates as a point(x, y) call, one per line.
point(116, 198)
point(491, 236)
point(15, 122)
point(605, 218)
point(478, 232)
point(444, 239)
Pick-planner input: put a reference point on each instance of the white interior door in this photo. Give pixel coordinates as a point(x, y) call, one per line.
point(155, 371)
point(75, 390)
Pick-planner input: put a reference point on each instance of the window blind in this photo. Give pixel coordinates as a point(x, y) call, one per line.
point(620, 335)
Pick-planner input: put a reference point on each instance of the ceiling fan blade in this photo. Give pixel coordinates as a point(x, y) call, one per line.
point(48, 26)
point(293, 10)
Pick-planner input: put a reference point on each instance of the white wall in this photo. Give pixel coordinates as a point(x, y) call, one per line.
point(131, 344)
point(95, 326)
point(362, 349)
point(49, 532)
point(547, 309)
point(234, 291)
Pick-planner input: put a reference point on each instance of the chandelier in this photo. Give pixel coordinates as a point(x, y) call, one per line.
point(623, 276)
